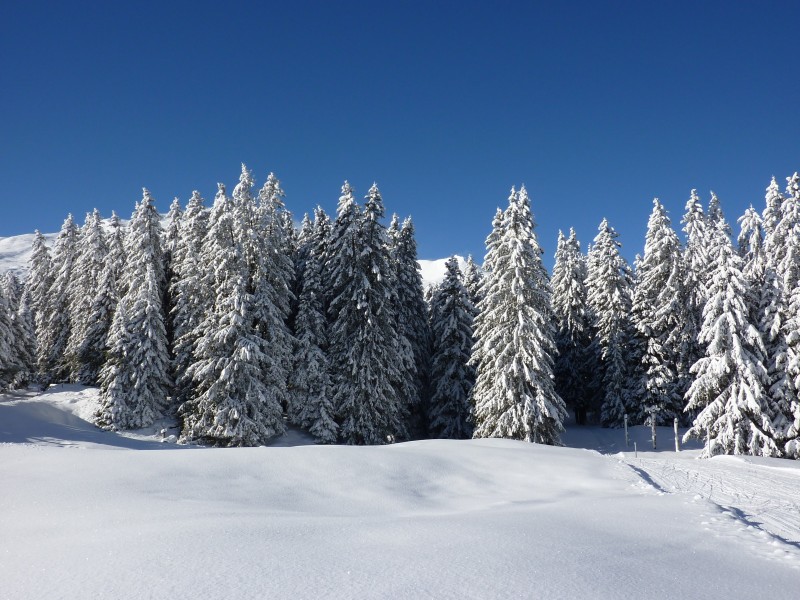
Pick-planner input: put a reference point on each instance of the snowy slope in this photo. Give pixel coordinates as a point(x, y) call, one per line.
point(87, 514)
point(15, 252)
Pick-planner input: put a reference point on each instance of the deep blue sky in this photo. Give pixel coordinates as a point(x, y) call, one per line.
point(596, 107)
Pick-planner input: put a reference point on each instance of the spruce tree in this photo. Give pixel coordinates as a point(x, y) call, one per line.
point(473, 280)
point(54, 332)
point(729, 387)
point(577, 361)
point(661, 319)
point(412, 321)
point(234, 404)
point(135, 380)
point(190, 298)
point(89, 263)
point(365, 353)
point(451, 376)
point(311, 404)
point(514, 394)
point(608, 283)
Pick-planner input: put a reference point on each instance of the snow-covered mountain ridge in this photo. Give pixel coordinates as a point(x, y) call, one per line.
point(15, 252)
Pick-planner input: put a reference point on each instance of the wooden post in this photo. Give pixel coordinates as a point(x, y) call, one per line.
point(627, 441)
point(653, 426)
point(677, 440)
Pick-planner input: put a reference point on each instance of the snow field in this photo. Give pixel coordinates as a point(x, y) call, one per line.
point(88, 516)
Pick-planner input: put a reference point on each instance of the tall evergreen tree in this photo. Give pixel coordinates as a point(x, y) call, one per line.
point(608, 284)
point(311, 405)
point(662, 320)
point(365, 351)
point(134, 380)
point(729, 386)
point(473, 280)
point(190, 297)
point(514, 394)
point(54, 331)
point(452, 377)
point(577, 360)
point(234, 404)
point(412, 321)
point(89, 263)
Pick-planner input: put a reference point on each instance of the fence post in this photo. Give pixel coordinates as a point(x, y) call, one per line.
point(677, 440)
point(653, 426)
point(627, 442)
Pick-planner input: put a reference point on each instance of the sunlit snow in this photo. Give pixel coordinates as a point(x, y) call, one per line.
point(86, 513)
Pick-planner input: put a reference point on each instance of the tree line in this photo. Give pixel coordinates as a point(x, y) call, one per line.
point(236, 321)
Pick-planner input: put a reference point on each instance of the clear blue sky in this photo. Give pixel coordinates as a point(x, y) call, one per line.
point(596, 106)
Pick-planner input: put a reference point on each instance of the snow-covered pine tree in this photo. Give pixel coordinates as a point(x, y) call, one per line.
point(311, 404)
point(608, 284)
point(270, 256)
point(39, 280)
point(365, 351)
point(473, 280)
point(170, 242)
point(781, 220)
point(577, 360)
point(89, 263)
point(235, 403)
point(25, 339)
point(54, 331)
point(232, 404)
point(663, 321)
point(9, 366)
point(412, 324)
point(135, 380)
point(451, 376)
point(751, 249)
point(191, 298)
point(91, 354)
point(729, 386)
point(785, 390)
point(514, 394)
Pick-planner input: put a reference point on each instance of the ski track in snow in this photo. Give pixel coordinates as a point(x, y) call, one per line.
point(745, 499)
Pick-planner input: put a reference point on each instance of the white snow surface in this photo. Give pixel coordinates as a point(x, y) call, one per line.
point(15, 252)
point(88, 514)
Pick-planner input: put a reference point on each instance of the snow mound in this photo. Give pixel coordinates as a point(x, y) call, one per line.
point(430, 519)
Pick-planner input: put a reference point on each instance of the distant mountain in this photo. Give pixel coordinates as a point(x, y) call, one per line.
point(15, 252)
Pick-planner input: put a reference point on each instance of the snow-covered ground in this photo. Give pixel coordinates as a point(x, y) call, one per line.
point(87, 514)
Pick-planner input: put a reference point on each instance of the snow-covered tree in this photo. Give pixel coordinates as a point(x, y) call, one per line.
point(89, 263)
point(311, 404)
point(54, 331)
point(577, 360)
point(412, 323)
point(134, 380)
point(234, 403)
point(451, 376)
point(39, 280)
point(191, 298)
point(608, 283)
point(729, 386)
point(473, 280)
point(662, 321)
point(514, 394)
point(365, 350)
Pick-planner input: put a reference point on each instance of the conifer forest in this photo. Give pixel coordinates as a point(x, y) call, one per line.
point(235, 319)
